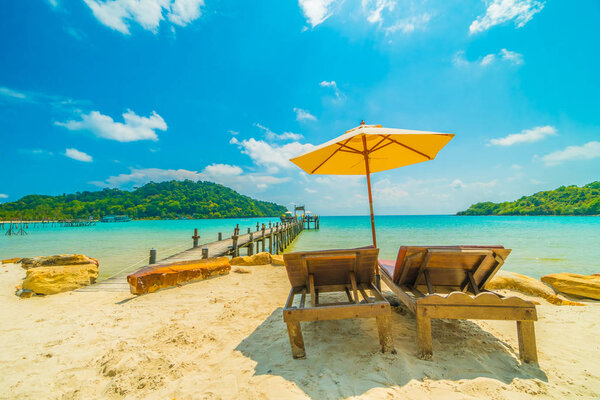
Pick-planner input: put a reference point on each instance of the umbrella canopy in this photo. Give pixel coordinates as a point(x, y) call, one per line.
point(371, 148)
point(386, 149)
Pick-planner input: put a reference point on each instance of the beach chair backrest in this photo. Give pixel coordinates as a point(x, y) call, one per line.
point(331, 267)
point(449, 267)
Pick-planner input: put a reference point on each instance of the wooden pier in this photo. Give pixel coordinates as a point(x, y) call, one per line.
point(273, 239)
point(19, 227)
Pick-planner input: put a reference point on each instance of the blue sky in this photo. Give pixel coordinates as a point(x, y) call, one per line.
point(117, 93)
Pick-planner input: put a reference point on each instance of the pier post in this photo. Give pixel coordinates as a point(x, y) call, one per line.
point(205, 252)
point(271, 242)
point(257, 225)
point(235, 250)
point(196, 237)
point(220, 236)
point(152, 258)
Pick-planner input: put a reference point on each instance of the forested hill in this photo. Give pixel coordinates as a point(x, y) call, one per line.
point(566, 200)
point(172, 199)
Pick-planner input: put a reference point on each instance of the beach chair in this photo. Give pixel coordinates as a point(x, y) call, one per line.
point(347, 271)
point(449, 282)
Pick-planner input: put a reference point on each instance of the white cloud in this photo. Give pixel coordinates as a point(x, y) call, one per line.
point(385, 189)
point(508, 56)
point(457, 184)
point(234, 133)
point(332, 85)
point(134, 127)
point(36, 152)
point(500, 11)
point(185, 11)
point(511, 56)
point(374, 9)
point(222, 170)
point(303, 115)
point(140, 176)
point(526, 136)
point(6, 92)
point(116, 14)
point(516, 167)
point(228, 175)
point(270, 135)
point(488, 59)
point(588, 151)
point(410, 24)
point(53, 3)
point(271, 156)
point(309, 190)
point(78, 155)
point(3, 196)
point(316, 11)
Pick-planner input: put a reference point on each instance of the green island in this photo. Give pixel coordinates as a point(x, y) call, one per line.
point(566, 200)
point(165, 200)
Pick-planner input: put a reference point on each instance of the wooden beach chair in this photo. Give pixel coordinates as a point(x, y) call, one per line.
point(449, 282)
point(348, 271)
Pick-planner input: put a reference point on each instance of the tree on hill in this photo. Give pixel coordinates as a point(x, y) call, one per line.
point(566, 200)
point(164, 200)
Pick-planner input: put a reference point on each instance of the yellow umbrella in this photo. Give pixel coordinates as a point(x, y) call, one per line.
point(371, 148)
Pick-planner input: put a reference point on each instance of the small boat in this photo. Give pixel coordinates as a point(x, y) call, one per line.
point(116, 218)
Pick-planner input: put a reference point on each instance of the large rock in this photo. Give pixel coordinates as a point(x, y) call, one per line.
point(15, 260)
point(61, 259)
point(277, 260)
point(152, 278)
point(62, 278)
point(257, 259)
point(574, 284)
point(527, 285)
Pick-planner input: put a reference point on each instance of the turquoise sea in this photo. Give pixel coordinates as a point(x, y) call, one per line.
point(541, 245)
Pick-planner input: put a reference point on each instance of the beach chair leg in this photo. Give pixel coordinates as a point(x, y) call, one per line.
point(296, 340)
point(424, 338)
point(527, 346)
point(385, 334)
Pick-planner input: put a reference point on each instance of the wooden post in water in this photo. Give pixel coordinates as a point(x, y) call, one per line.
point(250, 245)
point(152, 258)
point(220, 236)
point(196, 237)
point(205, 252)
point(235, 250)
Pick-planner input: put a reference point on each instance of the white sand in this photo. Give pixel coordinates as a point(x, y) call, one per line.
point(225, 338)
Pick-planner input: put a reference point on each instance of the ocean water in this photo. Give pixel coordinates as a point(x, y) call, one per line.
point(541, 245)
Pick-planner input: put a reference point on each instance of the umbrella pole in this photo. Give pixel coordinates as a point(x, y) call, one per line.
point(366, 155)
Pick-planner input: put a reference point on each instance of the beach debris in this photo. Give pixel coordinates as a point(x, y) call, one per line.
point(60, 278)
point(257, 259)
point(152, 278)
point(277, 260)
point(527, 285)
point(57, 260)
point(241, 270)
point(587, 286)
point(15, 260)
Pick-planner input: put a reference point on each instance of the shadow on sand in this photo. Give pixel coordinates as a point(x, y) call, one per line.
point(343, 358)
